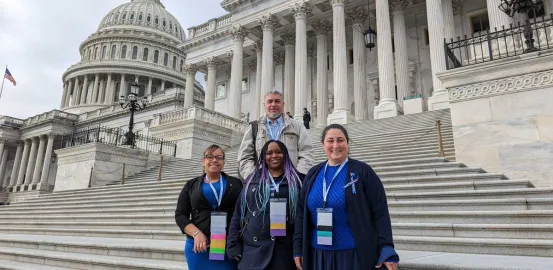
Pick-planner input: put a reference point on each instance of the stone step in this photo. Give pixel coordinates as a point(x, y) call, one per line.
point(15, 265)
point(511, 231)
point(510, 204)
point(516, 247)
point(91, 211)
point(472, 194)
point(93, 225)
point(131, 248)
point(426, 260)
point(466, 177)
point(86, 203)
point(104, 217)
point(474, 217)
point(455, 186)
point(85, 261)
point(428, 172)
point(173, 235)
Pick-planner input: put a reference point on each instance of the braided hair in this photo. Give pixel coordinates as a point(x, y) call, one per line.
point(262, 193)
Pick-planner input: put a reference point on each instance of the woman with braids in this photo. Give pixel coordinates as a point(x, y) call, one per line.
point(262, 227)
point(342, 219)
point(204, 209)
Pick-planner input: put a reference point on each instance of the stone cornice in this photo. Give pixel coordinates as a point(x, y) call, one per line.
point(118, 63)
point(197, 41)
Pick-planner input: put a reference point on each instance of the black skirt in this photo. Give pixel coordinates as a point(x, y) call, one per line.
point(334, 260)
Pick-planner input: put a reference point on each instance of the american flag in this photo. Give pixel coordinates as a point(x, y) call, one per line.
point(9, 76)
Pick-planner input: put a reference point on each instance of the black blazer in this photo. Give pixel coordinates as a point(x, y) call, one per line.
point(193, 207)
point(254, 243)
point(367, 210)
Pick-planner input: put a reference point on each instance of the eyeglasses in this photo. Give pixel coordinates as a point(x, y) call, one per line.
point(211, 158)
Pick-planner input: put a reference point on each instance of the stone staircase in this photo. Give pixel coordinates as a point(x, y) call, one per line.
point(445, 215)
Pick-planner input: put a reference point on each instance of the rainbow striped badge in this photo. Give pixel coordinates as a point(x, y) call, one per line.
point(218, 238)
point(278, 217)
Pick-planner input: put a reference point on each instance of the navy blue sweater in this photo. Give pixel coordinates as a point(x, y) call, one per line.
point(368, 216)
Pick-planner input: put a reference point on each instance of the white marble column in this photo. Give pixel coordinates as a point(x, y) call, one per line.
point(190, 74)
point(322, 29)
point(341, 113)
point(300, 11)
point(47, 160)
point(267, 70)
point(76, 92)
point(358, 17)
point(109, 95)
point(400, 42)
point(288, 88)
point(32, 161)
point(449, 20)
point(64, 96)
point(123, 87)
point(68, 100)
point(3, 166)
point(101, 92)
point(259, 92)
point(162, 85)
point(39, 160)
point(388, 106)
point(211, 63)
point(95, 89)
point(497, 17)
point(237, 71)
point(84, 91)
point(434, 11)
point(2, 145)
point(149, 89)
point(16, 162)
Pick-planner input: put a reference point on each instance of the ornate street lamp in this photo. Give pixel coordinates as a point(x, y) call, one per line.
point(134, 105)
point(370, 34)
point(510, 7)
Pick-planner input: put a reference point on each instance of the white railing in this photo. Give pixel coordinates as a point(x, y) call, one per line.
point(9, 121)
point(210, 26)
point(50, 115)
point(199, 113)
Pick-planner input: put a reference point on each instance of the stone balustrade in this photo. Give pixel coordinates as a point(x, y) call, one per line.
point(199, 113)
point(49, 116)
point(210, 26)
point(10, 121)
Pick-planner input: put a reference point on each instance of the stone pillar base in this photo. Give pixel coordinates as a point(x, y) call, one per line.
point(387, 109)
point(439, 101)
point(341, 117)
point(414, 105)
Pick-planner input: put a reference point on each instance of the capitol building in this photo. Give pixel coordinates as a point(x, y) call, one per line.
point(387, 69)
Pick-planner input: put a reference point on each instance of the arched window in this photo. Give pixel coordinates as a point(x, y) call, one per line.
point(105, 52)
point(113, 50)
point(149, 18)
point(164, 23)
point(171, 26)
point(145, 54)
point(156, 56)
point(124, 15)
point(95, 53)
point(165, 59)
point(181, 64)
point(117, 16)
point(174, 62)
point(124, 52)
point(132, 16)
point(90, 54)
point(134, 52)
point(140, 16)
point(157, 20)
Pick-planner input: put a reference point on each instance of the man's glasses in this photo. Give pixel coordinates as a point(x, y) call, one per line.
point(211, 158)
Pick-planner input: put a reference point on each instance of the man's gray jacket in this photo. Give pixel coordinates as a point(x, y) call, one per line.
point(294, 135)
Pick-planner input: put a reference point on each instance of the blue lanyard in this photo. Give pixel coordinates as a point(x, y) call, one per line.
point(277, 187)
point(219, 198)
point(325, 189)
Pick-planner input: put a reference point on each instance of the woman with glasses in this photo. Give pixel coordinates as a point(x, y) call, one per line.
point(262, 227)
point(204, 210)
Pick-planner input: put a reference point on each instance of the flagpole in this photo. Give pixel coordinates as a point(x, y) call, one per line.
point(3, 79)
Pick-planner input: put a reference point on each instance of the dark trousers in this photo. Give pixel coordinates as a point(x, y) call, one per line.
point(306, 124)
point(282, 258)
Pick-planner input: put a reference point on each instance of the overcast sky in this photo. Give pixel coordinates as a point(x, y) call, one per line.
point(39, 40)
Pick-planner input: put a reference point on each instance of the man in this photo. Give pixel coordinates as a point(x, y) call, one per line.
point(274, 125)
point(306, 118)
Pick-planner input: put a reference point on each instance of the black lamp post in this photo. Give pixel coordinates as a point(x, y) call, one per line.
point(510, 7)
point(370, 34)
point(134, 105)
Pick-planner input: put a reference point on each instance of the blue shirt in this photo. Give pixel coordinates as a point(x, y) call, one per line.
point(208, 192)
point(342, 236)
point(274, 128)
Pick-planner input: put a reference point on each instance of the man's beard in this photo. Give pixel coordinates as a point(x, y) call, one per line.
point(274, 115)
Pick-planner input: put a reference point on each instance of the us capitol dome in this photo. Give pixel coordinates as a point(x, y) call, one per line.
point(135, 42)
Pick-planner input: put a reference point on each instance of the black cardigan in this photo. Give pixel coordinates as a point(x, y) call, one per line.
point(193, 207)
point(367, 210)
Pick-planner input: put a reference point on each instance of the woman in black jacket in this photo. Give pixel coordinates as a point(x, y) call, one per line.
point(262, 227)
point(204, 210)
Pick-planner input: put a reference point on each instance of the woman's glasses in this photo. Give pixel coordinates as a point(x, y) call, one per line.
point(211, 158)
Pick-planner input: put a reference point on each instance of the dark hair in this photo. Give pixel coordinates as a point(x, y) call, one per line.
point(209, 150)
point(334, 126)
